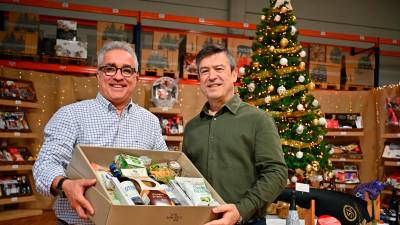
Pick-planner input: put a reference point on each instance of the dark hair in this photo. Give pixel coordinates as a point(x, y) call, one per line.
point(212, 50)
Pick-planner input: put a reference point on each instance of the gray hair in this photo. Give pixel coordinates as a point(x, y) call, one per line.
point(117, 45)
point(212, 50)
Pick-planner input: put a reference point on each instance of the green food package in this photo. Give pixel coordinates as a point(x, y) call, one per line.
point(124, 161)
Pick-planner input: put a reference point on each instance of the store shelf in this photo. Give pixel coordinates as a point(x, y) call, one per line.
point(15, 167)
point(391, 135)
point(392, 163)
point(346, 160)
point(5, 201)
point(173, 138)
point(346, 186)
point(18, 135)
point(389, 192)
point(345, 133)
point(166, 111)
point(19, 213)
point(18, 103)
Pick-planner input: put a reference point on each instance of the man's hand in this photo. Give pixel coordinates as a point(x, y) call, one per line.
point(74, 190)
point(230, 215)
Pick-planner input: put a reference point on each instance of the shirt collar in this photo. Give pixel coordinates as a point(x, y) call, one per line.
point(108, 105)
point(232, 105)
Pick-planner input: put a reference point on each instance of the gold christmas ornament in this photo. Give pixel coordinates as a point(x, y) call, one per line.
point(256, 64)
point(330, 175)
point(303, 98)
point(271, 48)
point(260, 39)
point(294, 18)
point(270, 88)
point(311, 86)
point(315, 166)
point(308, 168)
point(284, 42)
point(315, 122)
point(263, 17)
point(302, 65)
point(329, 163)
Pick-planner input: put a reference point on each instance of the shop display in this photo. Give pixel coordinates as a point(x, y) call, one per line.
point(15, 154)
point(13, 121)
point(14, 186)
point(343, 120)
point(109, 31)
point(360, 69)
point(164, 92)
point(73, 49)
point(17, 90)
point(347, 175)
point(66, 30)
point(350, 151)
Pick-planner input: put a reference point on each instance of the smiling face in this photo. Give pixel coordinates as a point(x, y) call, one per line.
point(216, 78)
point(117, 89)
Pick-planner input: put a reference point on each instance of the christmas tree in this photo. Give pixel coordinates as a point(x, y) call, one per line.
point(277, 81)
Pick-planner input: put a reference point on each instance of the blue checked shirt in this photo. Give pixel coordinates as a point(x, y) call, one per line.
point(90, 122)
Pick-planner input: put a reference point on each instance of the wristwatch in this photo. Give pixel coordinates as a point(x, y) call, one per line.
point(60, 191)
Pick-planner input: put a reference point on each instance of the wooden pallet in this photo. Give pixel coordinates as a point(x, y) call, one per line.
point(327, 86)
point(352, 87)
point(161, 73)
point(63, 60)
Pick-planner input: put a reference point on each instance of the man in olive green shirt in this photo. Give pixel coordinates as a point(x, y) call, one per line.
point(234, 145)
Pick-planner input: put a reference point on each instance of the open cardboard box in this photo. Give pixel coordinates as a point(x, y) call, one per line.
point(106, 213)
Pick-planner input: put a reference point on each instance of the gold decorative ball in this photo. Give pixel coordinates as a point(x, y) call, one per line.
point(260, 39)
point(330, 175)
point(315, 166)
point(270, 88)
point(256, 64)
point(263, 17)
point(308, 168)
point(302, 65)
point(294, 18)
point(271, 48)
point(312, 86)
point(315, 122)
point(284, 9)
point(329, 163)
point(321, 137)
point(284, 42)
point(303, 98)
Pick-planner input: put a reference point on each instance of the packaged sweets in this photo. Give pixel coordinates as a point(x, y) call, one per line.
point(168, 189)
point(156, 197)
point(161, 172)
point(124, 161)
point(196, 190)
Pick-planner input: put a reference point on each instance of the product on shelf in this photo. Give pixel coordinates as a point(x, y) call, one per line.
point(13, 186)
point(391, 151)
point(344, 120)
point(13, 121)
point(171, 125)
point(73, 49)
point(352, 151)
point(109, 31)
point(66, 30)
point(348, 175)
point(164, 92)
point(393, 113)
point(17, 90)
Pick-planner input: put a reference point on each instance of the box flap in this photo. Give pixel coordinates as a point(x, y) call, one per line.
point(100, 203)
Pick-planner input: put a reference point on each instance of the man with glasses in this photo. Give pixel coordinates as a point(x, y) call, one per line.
point(111, 119)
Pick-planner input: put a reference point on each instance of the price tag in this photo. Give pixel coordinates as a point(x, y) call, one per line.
point(302, 187)
point(342, 159)
point(164, 109)
point(398, 163)
point(343, 133)
point(17, 134)
point(161, 15)
point(65, 5)
point(18, 102)
point(362, 38)
point(398, 134)
point(12, 63)
point(115, 11)
point(342, 186)
point(202, 20)
point(15, 166)
point(323, 33)
point(246, 25)
point(14, 199)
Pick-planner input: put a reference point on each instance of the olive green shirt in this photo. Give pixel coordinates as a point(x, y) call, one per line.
point(239, 152)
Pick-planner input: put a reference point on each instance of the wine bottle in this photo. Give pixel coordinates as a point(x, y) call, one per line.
point(293, 216)
point(130, 190)
point(393, 212)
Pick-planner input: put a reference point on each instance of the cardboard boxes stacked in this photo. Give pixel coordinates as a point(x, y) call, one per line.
point(21, 36)
point(109, 31)
point(194, 43)
point(162, 59)
point(241, 50)
point(360, 70)
point(325, 64)
point(107, 213)
point(66, 43)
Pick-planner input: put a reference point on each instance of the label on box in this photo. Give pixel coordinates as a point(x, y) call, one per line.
point(14, 166)
point(17, 134)
point(14, 199)
point(302, 187)
point(18, 102)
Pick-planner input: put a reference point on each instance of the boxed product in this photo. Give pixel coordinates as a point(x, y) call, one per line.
point(166, 40)
point(19, 21)
point(19, 42)
point(66, 30)
point(73, 49)
point(241, 50)
point(107, 211)
point(325, 73)
point(360, 70)
point(109, 31)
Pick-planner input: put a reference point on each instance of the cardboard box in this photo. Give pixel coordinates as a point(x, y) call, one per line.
point(204, 40)
point(166, 40)
point(106, 213)
point(161, 60)
point(334, 55)
point(241, 49)
point(109, 31)
point(74, 49)
point(28, 22)
point(318, 53)
point(191, 43)
point(325, 73)
point(66, 30)
point(360, 70)
point(189, 66)
point(19, 42)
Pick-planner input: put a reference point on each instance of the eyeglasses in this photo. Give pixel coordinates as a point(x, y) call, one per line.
point(111, 70)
